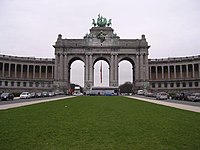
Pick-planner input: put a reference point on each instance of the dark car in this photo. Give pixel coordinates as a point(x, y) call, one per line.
point(7, 96)
point(182, 96)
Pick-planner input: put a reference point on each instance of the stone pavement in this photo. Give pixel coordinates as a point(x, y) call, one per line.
point(175, 105)
point(13, 105)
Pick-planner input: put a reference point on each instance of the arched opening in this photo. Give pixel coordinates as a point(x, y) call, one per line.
point(101, 73)
point(125, 72)
point(77, 72)
point(126, 76)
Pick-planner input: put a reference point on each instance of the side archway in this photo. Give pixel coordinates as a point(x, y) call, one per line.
point(126, 69)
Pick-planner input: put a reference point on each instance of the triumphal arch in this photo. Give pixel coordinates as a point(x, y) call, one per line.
point(101, 43)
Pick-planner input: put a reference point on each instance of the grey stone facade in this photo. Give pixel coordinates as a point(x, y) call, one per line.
point(175, 74)
point(101, 44)
point(26, 73)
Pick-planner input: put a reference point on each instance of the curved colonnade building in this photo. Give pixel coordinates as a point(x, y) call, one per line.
point(37, 74)
point(25, 73)
point(175, 74)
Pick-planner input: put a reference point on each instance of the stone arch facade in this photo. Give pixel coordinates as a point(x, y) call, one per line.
point(92, 48)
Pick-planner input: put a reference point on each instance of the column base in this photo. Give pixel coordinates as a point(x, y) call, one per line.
point(113, 83)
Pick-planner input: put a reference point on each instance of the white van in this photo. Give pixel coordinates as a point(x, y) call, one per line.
point(140, 92)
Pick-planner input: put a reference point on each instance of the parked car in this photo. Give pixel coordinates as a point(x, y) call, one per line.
point(38, 94)
point(182, 96)
point(162, 96)
point(25, 95)
point(51, 94)
point(7, 96)
point(33, 95)
point(148, 94)
point(45, 94)
point(77, 94)
point(194, 97)
point(140, 92)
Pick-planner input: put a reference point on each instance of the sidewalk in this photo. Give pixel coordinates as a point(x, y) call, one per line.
point(175, 105)
point(8, 106)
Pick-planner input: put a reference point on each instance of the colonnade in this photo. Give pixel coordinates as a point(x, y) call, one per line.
point(176, 71)
point(29, 71)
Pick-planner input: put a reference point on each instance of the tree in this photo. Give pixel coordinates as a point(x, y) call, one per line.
point(127, 87)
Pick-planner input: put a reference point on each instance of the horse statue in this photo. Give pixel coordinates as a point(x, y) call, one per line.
point(101, 21)
point(93, 22)
point(109, 22)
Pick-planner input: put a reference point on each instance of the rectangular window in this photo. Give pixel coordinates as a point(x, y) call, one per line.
point(153, 85)
point(196, 84)
point(24, 84)
point(12, 83)
point(165, 85)
point(177, 84)
point(184, 84)
point(18, 83)
point(190, 84)
point(0, 83)
point(6, 83)
point(159, 85)
point(36, 84)
point(31, 84)
point(171, 84)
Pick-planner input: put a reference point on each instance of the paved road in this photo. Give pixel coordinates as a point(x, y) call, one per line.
point(18, 100)
point(23, 102)
point(191, 106)
point(173, 101)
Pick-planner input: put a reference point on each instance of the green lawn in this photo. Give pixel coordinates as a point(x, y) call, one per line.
point(99, 123)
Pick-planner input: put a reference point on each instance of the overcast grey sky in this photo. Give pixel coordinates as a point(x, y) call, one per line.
point(30, 27)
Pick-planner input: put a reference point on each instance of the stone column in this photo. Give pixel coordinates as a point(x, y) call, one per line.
point(199, 70)
point(186, 71)
point(90, 69)
point(15, 70)
point(116, 70)
point(156, 72)
point(174, 71)
point(193, 73)
point(28, 71)
point(40, 71)
point(141, 68)
point(3, 69)
point(52, 75)
point(86, 68)
point(112, 68)
point(147, 67)
point(168, 72)
point(46, 72)
point(150, 73)
point(21, 70)
point(9, 69)
point(181, 72)
point(33, 71)
point(137, 74)
point(65, 67)
point(61, 66)
point(162, 72)
point(56, 67)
